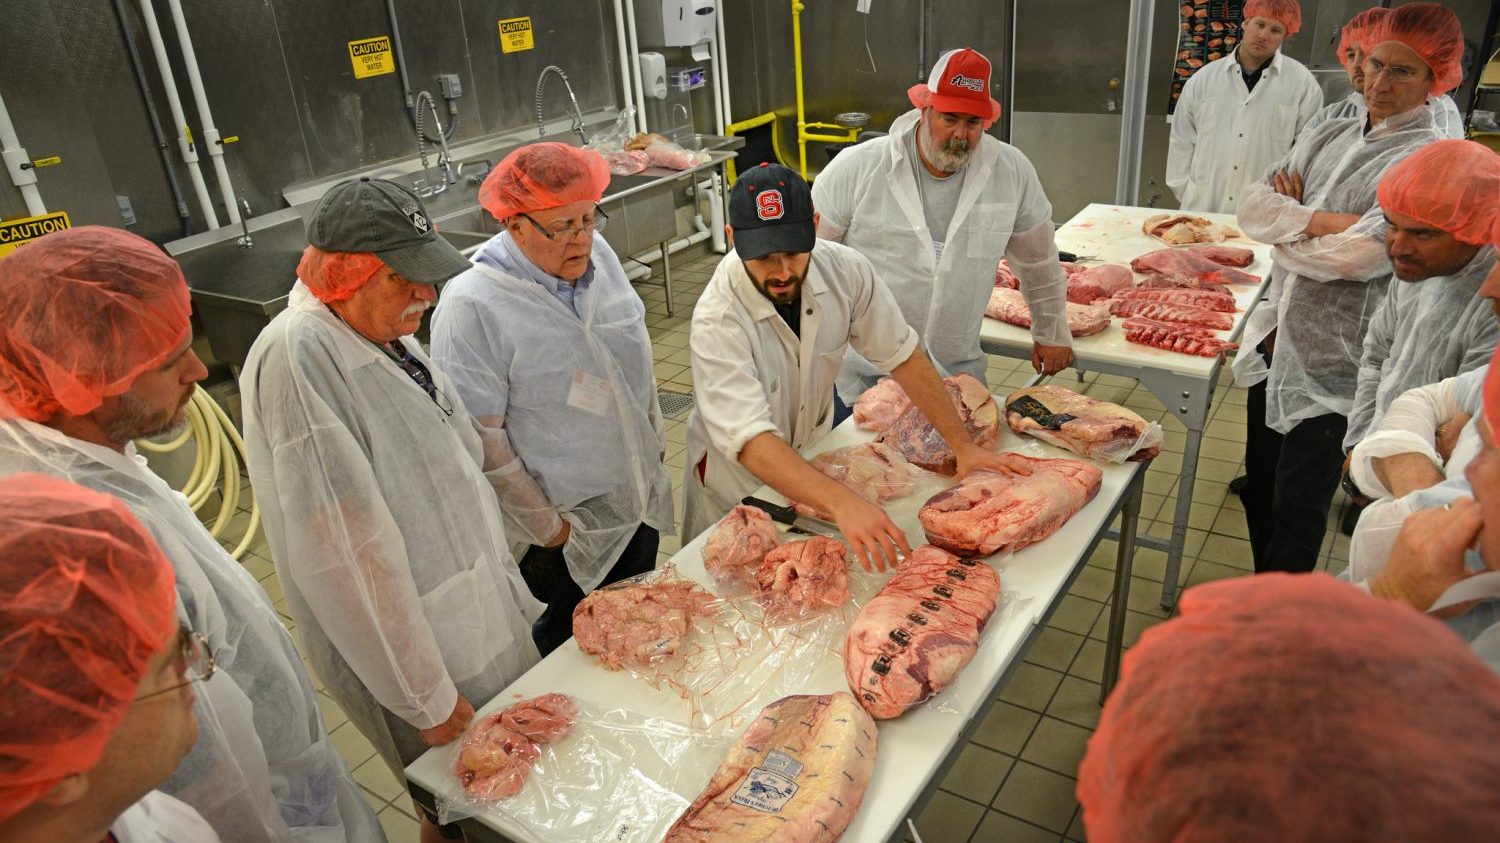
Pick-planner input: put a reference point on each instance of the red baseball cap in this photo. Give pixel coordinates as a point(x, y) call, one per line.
point(959, 84)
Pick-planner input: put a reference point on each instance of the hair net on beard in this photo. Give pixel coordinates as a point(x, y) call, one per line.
point(335, 276)
point(540, 176)
point(1432, 32)
point(87, 311)
point(86, 599)
point(1294, 707)
point(1452, 185)
point(1355, 30)
point(1285, 12)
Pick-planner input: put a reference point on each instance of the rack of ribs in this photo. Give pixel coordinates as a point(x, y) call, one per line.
point(1216, 300)
point(1174, 336)
point(1162, 311)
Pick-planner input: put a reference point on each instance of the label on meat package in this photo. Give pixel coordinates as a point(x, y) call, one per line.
point(1037, 411)
point(765, 790)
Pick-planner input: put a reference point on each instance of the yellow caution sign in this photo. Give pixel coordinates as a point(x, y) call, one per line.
point(46, 162)
point(515, 35)
point(371, 57)
point(17, 233)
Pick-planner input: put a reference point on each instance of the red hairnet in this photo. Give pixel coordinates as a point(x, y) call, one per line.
point(335, 276)
point(1432, 32)
point(1354, 32)
point(86, 600)
point(87, 311)
point(1285, 12)
point(1294, 707)
point(1453, 185)
point(540, 176)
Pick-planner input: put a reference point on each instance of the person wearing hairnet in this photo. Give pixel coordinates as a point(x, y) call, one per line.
point(376, 484)
point(95, 353)
point(767, 339)
point(546, 342)
point(934, 206)
point(1240, 113)
point(1295, 709)
point(96, 672)
point(1301, 347)
point(1450, 124)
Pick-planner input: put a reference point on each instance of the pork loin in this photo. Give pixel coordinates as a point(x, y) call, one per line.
point(1087, 426)
point(913, 638)
point(1090, 284)
point(1204, 266)
point(735, 547)
point(1010, 307)
point(990, 512)
point(923, 446)
point(797, 775)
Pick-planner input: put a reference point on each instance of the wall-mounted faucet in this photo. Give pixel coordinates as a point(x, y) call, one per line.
point(541, 82)
point(245, 241)
point(482, 166)
point(424, 186)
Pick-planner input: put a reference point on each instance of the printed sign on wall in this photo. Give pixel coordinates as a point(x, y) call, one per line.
point(371, 57)
point(515, 35)
point(17, 233)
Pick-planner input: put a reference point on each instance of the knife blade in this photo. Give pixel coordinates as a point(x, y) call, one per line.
point(804, 524)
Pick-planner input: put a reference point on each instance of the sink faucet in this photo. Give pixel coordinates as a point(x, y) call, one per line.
point(482, 165)
point(688, 120)
point(541, 82)
point(245, 241)
point(424, 186)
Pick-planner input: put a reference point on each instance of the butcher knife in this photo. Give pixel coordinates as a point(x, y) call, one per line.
point(1069, 257)
point(804, 524)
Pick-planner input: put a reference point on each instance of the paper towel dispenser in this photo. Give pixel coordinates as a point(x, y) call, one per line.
point(675, 23)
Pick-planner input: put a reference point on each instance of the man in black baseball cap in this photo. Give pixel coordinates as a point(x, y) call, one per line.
point(768, 336)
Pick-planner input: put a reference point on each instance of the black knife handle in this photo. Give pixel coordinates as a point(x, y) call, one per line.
point(1067, 257)
point(779, 514)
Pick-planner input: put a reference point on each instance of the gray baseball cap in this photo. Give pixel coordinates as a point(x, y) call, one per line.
point(387, 219)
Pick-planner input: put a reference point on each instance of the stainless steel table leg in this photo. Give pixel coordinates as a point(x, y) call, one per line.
point(1124, 565)
point(666, 275)
point(1185, 482)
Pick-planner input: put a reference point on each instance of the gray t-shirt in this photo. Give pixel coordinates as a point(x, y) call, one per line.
point(939, 198)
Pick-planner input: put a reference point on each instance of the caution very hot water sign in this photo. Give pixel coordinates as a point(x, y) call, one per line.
point(371, 57)
point(17, 233)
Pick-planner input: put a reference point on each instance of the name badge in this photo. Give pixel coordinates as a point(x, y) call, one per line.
point(589, 393)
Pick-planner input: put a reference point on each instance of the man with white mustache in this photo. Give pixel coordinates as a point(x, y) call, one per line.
point(934, 206)
point(377, 486)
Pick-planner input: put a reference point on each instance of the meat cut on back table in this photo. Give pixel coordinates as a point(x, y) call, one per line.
point(1086, 426)
point(1179, 229)
point(1216, 300)
point(734, 549)
point(915, 437)
point(912, 639)
point(1090, 284)
point(1192, 264)
point(1172, 312)
point(989, 512)
point(1010, 307)
point(1005, 278)
point(797, 775)
point(1175, 336)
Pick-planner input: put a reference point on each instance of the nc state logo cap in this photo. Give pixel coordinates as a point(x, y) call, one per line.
point(769, 205)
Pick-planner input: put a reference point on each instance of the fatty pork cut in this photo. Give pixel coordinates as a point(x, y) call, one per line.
point(1010, 307)
point(989, 512)
point(1087, 426)
point(875, 471)
point(634, 624)
point(923, 446)
point(735, 547)
point(880, 405)
point(802, 577)
point(497, 752)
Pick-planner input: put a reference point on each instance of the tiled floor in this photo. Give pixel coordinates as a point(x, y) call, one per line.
point(1015, 781)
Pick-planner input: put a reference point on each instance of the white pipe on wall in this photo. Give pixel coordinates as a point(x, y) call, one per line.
point(179, 120)
point(715, 56)
point(210, 132)
point(721, 71)
point(1133, 109)
point(627, 95)
point(635, 66)
point(15, 156)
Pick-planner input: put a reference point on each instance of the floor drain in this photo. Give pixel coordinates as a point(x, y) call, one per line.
point(674, 405)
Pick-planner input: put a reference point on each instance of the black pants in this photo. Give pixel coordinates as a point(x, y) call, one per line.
point(1292, 479)
point(547, 576)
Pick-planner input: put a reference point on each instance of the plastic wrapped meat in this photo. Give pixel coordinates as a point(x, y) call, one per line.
point(915, 636)
point(497, 753)
point(743, 538)
point(990, 512)
point(1010, 307)
point(627, 162)
point(1090, 284)
point(1180, 229)
point(1087, 426)
point(880, 405)
point(544, 719)
point(875, 471)
point(802, 577)
point(919, 441)
point(797, 775)
point(1005, 278)
point(634, 624)
point(673, 157)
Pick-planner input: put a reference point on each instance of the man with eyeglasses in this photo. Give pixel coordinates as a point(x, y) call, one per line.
point(375, 484)
point(96, 352)
point(96, 672)
point(1302, 345)
point(546, 342)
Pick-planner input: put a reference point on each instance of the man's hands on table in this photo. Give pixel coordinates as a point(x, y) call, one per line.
point(875, 539)
point(1050, 359)
point(974, 458)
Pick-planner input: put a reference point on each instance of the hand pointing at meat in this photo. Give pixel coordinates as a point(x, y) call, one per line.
point(974, 458)
point(871, 534)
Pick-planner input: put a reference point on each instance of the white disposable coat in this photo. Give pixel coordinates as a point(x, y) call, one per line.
point(1445, 116)
point(573, 394)
point(263, 767)
point(1424, 331)
point(386, 533)
point(1225, 135)
point(159, 818)
point(867, 198)
point(1323, 290)
point(752, 375)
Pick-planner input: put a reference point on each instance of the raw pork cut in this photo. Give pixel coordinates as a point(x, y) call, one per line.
point(1089, 284)
point(875, 471)
point(1226, 255)
point(880, 405)
point(1173, 336)
point(797, 775)
point(988, 512)
point(801, 577)
point(633, 624)
point(499, 749)
point(734, 549)
point(626, 163)
point(1010, 307)
point(1187, 314)
point(1096, 429)
point(913, 638)
point(1179, 229)
point(1217, 300)
point(923, 446)
point(1005, 278)
point(544, 719)
point(1192, 263)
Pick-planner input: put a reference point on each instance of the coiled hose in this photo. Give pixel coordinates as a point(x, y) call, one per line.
point(220, 453)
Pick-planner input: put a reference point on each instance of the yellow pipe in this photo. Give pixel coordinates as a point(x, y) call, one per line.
point(797, 8)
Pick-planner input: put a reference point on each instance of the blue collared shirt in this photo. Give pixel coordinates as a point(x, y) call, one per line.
point(571, 295)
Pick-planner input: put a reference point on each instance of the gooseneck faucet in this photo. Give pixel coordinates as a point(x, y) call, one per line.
point(541, 82)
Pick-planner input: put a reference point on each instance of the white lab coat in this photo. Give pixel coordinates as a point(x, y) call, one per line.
point(263, 767)
point(386, 534)
point(576, 393)
point(1323, 290)
point(867, 198)
point(1224, 136)
point(159, 818)
point(1424, 331)
point(1445, 116)
point(752, 375)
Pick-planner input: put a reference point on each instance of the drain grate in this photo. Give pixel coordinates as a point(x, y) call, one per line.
point(674, 405)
